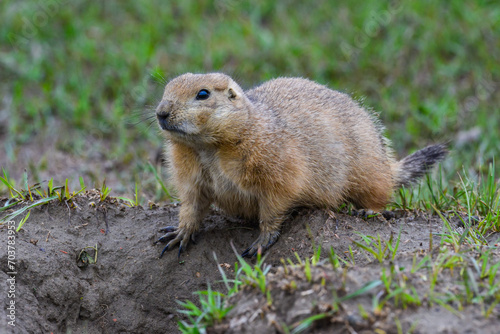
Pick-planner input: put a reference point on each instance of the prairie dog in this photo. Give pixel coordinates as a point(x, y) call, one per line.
point(258, 153)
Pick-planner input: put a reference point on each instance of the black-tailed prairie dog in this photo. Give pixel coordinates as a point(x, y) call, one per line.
point(258, 153)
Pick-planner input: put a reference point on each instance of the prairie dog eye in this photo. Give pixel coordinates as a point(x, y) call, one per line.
point(203, 94)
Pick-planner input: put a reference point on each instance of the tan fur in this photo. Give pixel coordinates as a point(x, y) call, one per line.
point(257, 154)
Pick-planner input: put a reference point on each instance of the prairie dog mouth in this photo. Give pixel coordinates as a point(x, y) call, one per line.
point(164, 125)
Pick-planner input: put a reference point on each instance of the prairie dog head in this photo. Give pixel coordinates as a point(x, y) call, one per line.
point(202, 108)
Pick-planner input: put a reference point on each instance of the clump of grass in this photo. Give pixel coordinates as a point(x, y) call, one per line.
point(378, 248)
point(132, 202)
point(160, 182)
point(334, 260)
point(213, 307)
point(478, 198)
point(34, 196)
point(211, 312)
point(477, 281)
point(105, 191)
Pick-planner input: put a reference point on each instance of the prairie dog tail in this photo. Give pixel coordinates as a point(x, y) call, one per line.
point(416, 165)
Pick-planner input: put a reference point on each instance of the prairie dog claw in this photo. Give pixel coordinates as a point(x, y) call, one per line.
point(175, 235)
point(264, 241)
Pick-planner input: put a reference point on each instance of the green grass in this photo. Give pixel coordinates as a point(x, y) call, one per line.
point(211, 312)
point(213, 306)
point(477, 197)
point(23, 200)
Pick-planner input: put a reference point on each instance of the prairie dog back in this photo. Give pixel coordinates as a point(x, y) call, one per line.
point(346, 152)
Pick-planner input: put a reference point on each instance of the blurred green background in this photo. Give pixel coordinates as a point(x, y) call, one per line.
point(79, 78)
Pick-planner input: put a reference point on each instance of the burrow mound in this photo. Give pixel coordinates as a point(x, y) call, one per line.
point(129, 289)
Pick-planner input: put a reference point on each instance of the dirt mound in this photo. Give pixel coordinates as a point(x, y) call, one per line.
point(129, 289)
point(330, 297)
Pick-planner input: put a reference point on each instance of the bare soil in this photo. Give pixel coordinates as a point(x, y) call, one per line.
point(130, 290)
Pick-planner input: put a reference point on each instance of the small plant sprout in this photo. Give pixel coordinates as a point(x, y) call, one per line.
point(212, 311)
point(14, 193)
point(21, 223)
point(160, 182)
point(135, 201)
point(16, 213)
point(33, 199)
point(307, 270)
point(378, 248)
point(105, 191)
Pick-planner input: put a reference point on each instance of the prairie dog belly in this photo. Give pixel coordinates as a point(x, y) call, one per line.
point(227, 196)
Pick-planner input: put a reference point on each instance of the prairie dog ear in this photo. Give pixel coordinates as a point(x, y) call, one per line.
point(231, 93)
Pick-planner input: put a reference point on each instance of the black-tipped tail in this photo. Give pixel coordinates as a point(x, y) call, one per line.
point(416, 165)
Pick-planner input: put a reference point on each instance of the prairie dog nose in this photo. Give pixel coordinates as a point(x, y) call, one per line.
point(163, 109)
